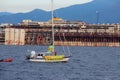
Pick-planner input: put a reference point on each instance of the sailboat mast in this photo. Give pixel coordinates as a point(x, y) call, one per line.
point(52, 24)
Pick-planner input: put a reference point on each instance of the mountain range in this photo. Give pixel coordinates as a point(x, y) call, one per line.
point(97, 11)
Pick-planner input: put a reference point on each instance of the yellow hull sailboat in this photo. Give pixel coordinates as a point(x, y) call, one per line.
point(50, 55)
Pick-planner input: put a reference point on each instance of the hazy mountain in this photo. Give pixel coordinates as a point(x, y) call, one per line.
point(108, 12)
point(5, 13)
point(97, 11)
point(35, 15)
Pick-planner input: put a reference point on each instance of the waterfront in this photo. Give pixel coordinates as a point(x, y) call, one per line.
point(65, 34)
point(86, 63)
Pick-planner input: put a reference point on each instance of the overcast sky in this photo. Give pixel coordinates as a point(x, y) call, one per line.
point(28, 5)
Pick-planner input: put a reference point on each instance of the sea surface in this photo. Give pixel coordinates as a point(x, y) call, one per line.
point(86, 63)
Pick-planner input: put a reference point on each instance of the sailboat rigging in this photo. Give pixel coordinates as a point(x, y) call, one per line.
point(50, 55)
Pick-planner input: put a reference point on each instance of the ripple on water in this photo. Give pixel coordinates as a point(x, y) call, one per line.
point(87, 63)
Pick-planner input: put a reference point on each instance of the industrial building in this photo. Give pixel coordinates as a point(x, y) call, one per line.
point(72, 34)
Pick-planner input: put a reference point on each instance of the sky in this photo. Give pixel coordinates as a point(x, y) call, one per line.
point(16, 6)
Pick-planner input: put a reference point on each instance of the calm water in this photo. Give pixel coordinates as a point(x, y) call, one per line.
point(86, 63)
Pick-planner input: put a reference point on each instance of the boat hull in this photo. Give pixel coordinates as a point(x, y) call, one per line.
point(6, 60)
point(48, 61)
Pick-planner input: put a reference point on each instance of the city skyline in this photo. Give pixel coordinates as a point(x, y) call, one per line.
point(16, 6)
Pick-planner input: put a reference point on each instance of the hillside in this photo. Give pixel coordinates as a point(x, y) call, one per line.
point(107, 12)
point(5, 13)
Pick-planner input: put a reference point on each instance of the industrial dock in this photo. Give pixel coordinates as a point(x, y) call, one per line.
point(67, 33)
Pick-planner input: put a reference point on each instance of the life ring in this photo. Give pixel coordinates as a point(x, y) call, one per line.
point(39, 38)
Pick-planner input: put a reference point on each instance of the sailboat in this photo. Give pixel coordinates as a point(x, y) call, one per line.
point(50, 55)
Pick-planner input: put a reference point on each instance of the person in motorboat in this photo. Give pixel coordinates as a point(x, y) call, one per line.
point(1, 60)
point(6, 60)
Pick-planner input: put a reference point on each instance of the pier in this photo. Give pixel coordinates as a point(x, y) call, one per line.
point(67, 35)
